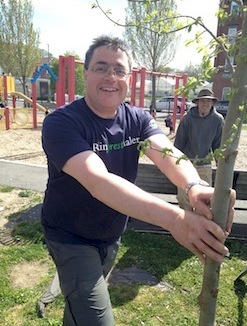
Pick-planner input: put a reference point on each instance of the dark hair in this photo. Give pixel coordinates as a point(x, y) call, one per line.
point(113, 43)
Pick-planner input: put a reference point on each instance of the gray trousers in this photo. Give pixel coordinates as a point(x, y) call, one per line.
point(82, 272)
point(52, 291)
point(49, 296)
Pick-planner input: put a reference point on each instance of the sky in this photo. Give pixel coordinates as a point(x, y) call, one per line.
point(72, 25)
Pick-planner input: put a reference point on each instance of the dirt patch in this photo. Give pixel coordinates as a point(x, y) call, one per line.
point(14, 201)
point(22, 145)
point(27, 274)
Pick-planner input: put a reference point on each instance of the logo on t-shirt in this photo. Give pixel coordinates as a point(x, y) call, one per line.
point(100, 147)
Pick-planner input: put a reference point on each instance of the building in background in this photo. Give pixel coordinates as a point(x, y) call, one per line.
point(222, 79)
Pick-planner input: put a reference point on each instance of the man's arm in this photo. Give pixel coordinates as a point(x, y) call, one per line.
point(181, 135)
point(193, 231)
point(180, 173)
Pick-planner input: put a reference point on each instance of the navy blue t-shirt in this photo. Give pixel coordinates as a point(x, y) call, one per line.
point(70, 214)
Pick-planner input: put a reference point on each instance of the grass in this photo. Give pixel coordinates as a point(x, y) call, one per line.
point(244, 127)
point(133, 304)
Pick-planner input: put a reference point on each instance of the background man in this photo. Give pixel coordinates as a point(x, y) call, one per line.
point(198, 134)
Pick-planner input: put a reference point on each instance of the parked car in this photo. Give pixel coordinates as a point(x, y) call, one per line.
point(166, 104)
point(221, 107)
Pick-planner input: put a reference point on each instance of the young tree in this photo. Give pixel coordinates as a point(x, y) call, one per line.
point(19, 53)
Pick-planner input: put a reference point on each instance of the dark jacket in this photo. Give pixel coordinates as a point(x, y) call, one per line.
point(197, 136)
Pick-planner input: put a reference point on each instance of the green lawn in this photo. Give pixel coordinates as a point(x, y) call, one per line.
point(133, 304)
point(171, 302)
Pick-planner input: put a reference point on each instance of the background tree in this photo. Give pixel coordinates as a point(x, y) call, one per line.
point(195, 70)
point(148, 35)
point(19, 53)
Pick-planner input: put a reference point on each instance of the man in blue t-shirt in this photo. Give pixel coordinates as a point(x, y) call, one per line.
point(92, 152)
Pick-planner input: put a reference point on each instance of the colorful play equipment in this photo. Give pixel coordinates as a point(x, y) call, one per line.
point(7, 83)
point(20, 116)
point(141, 75)
point(66, 65)
point(43, 68)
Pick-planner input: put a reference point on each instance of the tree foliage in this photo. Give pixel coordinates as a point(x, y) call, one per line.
point(19, 41)
point(147, 32)
point(195, 71)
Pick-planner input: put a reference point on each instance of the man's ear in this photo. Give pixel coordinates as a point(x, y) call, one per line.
point(85, 73)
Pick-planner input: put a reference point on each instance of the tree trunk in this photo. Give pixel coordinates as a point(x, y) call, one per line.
point(153, 99)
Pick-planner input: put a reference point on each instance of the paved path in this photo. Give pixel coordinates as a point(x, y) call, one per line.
point(34, 177)
point(24, 176)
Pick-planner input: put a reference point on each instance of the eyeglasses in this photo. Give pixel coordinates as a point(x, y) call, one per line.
point(104, 70)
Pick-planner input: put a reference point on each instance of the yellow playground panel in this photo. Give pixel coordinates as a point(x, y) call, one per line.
point(20, 118)
point(15, 117)
point(10, 80)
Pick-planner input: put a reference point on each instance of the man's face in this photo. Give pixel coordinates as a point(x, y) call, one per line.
point(107, 80)
point(205, 105)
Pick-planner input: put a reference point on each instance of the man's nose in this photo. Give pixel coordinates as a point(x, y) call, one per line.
point(111, 72)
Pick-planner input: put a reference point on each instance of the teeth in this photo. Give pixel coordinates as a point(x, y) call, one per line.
point(109, 89)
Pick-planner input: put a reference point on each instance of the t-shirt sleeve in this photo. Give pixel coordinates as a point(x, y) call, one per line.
point(61, 139)
point(150, 126)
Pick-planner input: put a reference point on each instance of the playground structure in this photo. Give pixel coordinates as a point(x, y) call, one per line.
point(13, 115)
point(141, 74)
point(67, 66)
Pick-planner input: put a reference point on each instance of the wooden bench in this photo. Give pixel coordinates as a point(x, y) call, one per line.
point(150, 179)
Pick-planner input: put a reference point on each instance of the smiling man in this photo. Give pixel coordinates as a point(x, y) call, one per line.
point(92, 151)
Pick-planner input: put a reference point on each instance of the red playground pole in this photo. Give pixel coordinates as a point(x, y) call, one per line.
point(34, 105)
point(142, 87)
point(61, 82)
point(185, 78)
point(7, 122)
point(71, 77)
point(174, 115)
point(133, 88)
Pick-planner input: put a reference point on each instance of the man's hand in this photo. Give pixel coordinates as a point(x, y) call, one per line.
point(200, 198)
point(201, 236)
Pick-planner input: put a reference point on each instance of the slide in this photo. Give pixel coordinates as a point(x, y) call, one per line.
point(29, 100)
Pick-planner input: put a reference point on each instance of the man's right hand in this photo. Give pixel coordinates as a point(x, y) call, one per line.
point(201, 236)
